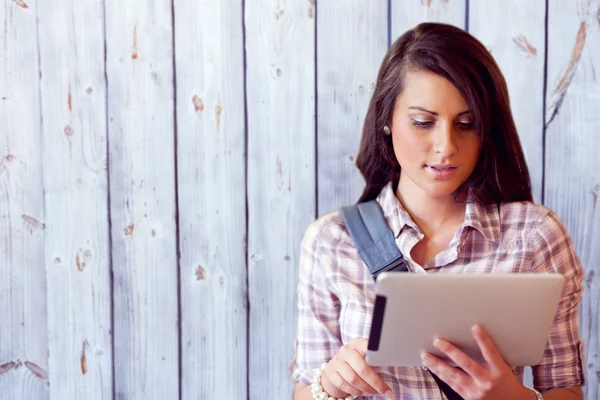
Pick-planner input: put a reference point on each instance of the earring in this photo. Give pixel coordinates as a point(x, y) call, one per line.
point(386, 130)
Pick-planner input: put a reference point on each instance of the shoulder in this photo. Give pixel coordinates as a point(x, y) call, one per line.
point(326, 250)
point(327, 233)
point(531, 219)
point(540, 229)
point(519, 224)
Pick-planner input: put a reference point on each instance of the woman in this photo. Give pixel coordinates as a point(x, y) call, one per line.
point(441, 154)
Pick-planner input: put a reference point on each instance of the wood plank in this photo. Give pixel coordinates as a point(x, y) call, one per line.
point(516, 41)
point(212, 198)
point(280, 54)
point(406, 14)
point(73, 98)
point(347, 32)
point(572, 182)
point(142, 199)
point(23, 333)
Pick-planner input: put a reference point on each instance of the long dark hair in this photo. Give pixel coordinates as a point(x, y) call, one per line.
point(501, 174)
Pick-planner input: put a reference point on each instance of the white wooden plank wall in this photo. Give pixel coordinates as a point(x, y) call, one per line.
point(352, 38)
point(139, 69)
point(212, 197)
point(77, 259)
point(572, 179)
point(404, 15)
point(23, 333)
point(160, 162)
point(280, 56)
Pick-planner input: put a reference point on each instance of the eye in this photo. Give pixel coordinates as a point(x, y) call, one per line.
point(465, 125)
point(422, 124)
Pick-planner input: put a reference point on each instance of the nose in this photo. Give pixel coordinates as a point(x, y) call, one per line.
point(444, 140)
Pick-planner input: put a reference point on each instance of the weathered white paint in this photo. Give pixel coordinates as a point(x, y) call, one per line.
point(142, 199)
point(54, 213)
point(406, 14)
point(572, 181)
point(516, 41)
point(23, 333)
point(212, 198)
point(280, 52)
point(351, 42)
point(73, 96)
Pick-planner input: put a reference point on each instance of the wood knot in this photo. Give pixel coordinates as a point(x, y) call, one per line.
point(200, 273)
point(129, 230)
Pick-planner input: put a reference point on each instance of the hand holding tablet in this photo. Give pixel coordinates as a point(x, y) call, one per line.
point(412, 310)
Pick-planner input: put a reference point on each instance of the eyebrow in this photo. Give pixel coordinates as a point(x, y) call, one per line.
point(433, 112)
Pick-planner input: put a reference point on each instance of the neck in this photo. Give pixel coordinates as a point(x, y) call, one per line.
point(429, 213)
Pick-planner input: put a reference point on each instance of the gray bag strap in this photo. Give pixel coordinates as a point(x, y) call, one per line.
point(373, 238)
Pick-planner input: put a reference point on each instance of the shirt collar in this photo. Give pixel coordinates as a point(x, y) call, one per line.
point(483, 218)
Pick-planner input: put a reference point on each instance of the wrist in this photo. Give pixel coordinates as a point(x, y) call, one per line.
point(530, 394)
point(327, 387)
point(330, 389)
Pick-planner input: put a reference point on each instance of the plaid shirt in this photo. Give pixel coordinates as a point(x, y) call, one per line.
point(336, 291)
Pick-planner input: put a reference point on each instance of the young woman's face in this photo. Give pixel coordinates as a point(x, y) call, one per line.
point(434, 139)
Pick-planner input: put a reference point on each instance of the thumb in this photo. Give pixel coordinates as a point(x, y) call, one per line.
point(360, 344)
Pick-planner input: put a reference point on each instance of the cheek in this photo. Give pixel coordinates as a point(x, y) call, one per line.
point(409, 147)
point(473, 149)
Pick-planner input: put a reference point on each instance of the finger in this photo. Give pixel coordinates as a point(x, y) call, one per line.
point(353, 381)
point(340, 383)
point(488, 348)
point(360, 344)
point(462, 360)
point(457, 379)
point(367, 374)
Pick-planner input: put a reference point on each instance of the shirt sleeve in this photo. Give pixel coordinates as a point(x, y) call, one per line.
point(318, 336)
point(562, 363)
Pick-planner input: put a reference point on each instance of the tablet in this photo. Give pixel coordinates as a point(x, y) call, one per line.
point(411, 310)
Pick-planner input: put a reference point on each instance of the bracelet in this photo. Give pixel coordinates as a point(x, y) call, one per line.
point(538, 395)
point(317, 390)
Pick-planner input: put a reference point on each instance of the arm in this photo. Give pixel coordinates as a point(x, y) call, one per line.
point(574, 393)
point(301, 392)
point(561, 367)
point(318, 339)
point(318, 334)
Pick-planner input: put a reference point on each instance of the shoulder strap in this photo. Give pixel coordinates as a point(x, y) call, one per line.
point(373, 238)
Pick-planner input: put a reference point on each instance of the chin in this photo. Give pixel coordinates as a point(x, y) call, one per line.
point(441, 191)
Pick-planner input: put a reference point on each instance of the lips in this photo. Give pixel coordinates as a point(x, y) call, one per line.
point(443, 167)
point(441, 172)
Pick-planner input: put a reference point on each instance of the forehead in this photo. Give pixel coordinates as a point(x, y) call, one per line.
point(431, 91)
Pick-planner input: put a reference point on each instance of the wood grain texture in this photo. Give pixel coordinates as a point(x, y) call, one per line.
point(73, 99)
point(212, 198)
point(352, 40)
point(24, 380)
point(516, 41)
point(406, 14)
point(142, 198)
point(23, 334)
point(281, 180)
point(572, 182)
